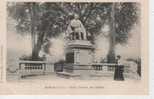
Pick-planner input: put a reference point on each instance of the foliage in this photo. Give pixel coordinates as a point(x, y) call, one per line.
point(50, 19)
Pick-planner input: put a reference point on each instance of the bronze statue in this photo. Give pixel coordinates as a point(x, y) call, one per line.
point(76, 30)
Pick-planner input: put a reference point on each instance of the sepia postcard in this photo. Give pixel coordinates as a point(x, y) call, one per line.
point(85, 47)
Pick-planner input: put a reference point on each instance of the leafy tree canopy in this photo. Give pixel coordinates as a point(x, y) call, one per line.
point(53, 18)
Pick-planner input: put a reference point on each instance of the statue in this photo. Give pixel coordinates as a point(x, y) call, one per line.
point(76, 30)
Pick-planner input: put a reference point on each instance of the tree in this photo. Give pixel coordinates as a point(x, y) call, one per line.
point(47, 20)
point(123, 17)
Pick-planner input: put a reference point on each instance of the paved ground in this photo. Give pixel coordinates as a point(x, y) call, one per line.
point(53, 76)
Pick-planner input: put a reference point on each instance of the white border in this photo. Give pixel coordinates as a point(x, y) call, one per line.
point(151, 68)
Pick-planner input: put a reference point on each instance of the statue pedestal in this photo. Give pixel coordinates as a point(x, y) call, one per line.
point(79, 58)
point(79, 52)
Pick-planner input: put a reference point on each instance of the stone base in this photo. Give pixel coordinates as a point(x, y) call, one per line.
point(67, 75)
point(84, 72)
point(75, 71)
point(90, 75)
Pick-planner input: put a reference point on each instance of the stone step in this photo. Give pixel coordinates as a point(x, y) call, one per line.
point(67, 75)
point(91, 74)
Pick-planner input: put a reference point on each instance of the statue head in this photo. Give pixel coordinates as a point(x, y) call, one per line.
point(118, 56)
point(76, 16)
point(71, 16)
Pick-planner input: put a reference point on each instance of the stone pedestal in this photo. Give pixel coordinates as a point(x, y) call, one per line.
point(79, 58)
point(79, 52)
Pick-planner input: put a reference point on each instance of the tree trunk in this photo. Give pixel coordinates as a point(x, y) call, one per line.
point(34, 35)
point(111, 53)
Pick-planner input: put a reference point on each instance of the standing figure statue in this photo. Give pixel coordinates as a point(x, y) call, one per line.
point(76, 30)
